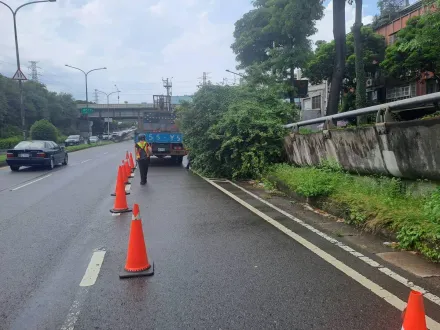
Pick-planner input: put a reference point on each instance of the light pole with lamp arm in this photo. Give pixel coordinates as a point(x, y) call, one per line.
point(118, 92)
point(20, 83)
point(108, 107)
point(87, 93)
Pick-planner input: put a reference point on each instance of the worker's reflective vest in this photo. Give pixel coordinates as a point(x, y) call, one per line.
point(141, 145)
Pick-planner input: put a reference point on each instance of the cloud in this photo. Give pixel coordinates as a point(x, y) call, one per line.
point(139, 43)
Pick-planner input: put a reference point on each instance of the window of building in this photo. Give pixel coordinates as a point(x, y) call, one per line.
point(316, 102)
point(401, 92)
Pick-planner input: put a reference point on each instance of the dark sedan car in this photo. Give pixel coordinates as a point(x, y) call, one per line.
point(36, 153)
point(73, 140)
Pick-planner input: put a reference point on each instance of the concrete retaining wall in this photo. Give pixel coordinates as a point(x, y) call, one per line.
point(405, 149)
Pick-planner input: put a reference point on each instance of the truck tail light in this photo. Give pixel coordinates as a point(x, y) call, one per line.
point(177, 148)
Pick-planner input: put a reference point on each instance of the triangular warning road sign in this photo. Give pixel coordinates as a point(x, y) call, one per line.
point(19, 75)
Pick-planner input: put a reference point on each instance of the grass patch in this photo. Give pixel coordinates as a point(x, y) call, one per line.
point(87, 146)
point(372, 203)
point(2, 158)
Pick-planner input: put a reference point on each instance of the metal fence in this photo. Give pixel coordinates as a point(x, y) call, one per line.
point(383, 111)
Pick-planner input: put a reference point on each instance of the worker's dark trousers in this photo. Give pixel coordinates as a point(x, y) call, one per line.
point(143, 169)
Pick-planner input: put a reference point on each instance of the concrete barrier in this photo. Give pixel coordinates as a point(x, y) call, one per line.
point(403, 149)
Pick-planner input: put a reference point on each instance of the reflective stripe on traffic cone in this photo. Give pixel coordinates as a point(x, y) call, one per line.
point(120, 180)
point(137, 263)
point(120, 205)
point(414, 315)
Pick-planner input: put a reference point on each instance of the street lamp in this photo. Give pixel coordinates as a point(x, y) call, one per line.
point(118, 92)
point(20, 83)
point(87, 93)
point(108, 107)
point(238, 74)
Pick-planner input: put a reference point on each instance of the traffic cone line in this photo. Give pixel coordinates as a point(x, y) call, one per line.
point(128, 169)
point(125, 174)
point(120, 180)
point(414, 317)
point(120, 205)
point(137, 263)
point(132, 165)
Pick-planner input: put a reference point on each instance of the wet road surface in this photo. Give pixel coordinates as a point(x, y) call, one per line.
point(217, 264)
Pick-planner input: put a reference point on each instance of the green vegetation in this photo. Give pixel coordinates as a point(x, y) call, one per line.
point(44, 130)
point(87, 146)
point(372, 203)
point(235, 132)
point(10, 142)
point(39, 103)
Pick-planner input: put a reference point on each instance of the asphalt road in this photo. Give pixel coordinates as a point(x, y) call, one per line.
point(217, 265)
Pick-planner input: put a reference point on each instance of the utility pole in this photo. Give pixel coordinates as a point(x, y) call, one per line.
point(118, 92)
point(34, 70)
point(225, 81)
point(168, 85)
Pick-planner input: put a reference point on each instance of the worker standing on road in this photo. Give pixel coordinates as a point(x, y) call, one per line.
point(143, 153)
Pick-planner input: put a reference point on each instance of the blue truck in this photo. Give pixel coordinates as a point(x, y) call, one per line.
point(159, 126)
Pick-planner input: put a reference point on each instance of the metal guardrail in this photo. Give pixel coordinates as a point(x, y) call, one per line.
point(383, 111)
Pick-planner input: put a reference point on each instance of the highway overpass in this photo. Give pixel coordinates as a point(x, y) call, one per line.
point(117, 111)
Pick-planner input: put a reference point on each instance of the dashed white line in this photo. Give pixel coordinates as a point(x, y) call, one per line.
point(93, 269)
point(88, 280)
point(435, 299)
point(85, 161)
point(361, 279)
point(31, 182)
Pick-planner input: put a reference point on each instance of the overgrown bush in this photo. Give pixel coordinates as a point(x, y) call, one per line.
point(234, 131)
point(9, 142)
point(44, 130)
point(8, 131)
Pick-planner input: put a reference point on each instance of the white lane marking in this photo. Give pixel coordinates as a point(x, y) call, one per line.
point(31, 182)
point(93, 269)
point(361, 279)
point(85, 161)
point(105, 153)
point(88, 280)
point(435, 299)
point(75, 310)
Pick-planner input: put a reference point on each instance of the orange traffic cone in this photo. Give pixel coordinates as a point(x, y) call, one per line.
point(120, 205)
point(137, 263)
point(414, 314)
point(133, 167)
point(126, 155)
point(128, 169)
point(120, 180)
point(125, 172)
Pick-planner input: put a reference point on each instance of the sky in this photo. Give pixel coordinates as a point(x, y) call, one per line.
point(140, 42)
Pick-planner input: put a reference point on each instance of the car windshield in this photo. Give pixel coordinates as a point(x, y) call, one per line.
point(73, 137)
point(30, 145)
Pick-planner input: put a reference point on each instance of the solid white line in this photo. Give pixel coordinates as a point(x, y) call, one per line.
point(75, 310)
point(85, 161)
point(361, 279)
point(93, 269)
point(31, 182)
point(435, 299)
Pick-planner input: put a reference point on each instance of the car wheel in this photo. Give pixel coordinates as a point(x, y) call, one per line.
point(15, 168)
point(66, 159)
point(51, 164)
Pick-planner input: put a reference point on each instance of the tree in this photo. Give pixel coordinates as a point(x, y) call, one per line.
point(235, 131)
point(274, 36)
point(339, 62)
point(359, 60)
point(44, 130)
point(320, 66)
point(415, 52)
point(39, 103)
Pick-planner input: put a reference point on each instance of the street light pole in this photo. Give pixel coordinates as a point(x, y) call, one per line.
point(118, 92)
point(20, 83)
point(86, 74)
point(108, 107)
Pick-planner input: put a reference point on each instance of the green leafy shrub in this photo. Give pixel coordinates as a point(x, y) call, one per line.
point(234, 131)
point(432, 207)
point(44, 130)
point(8, 131)
point(9, 142)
